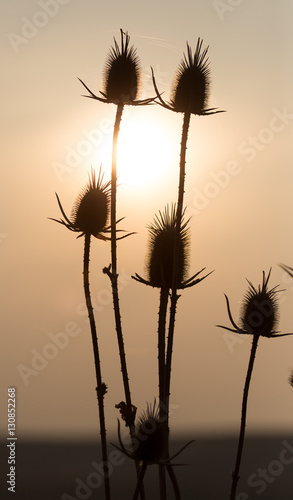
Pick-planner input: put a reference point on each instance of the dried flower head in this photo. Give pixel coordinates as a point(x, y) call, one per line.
point(90, 213)
point(161, 249)
point(192, 82)
point(259, 315)
point(122, 75)
point(191, 87)
point(160, 260)
point(150, 433)
point(260, 309)
point(149, 438)
point(122, 72)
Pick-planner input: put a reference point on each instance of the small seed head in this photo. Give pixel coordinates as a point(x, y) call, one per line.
point(150, 432)
point(260, 310)
point(192, 82)
point(160, 260)
point(90, 213)
point(122, 73)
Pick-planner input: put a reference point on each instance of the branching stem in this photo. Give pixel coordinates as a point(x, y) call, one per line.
point(174, 295)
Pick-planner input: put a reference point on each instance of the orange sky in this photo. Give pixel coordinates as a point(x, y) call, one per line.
point(238, 192)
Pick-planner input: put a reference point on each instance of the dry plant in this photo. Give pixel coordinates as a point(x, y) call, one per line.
point(258, 318)
point(94, 214)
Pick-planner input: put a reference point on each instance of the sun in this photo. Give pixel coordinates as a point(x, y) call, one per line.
point(144, 154)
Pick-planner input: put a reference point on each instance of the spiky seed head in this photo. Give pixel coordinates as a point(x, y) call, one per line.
point(122, 72)
point(160, 262)
point(260, 310)
point(150, 435)
point(90, 213)
point(192, 82)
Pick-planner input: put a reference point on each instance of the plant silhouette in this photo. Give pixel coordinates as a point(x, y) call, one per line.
point(121, 87)
point(94, 214)
point(259, 318)
point(189, 96)
point(90, 217)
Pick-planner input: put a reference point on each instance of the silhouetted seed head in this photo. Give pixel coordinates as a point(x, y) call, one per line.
point(122, 73)
point(192, 82)
point(161, 250)
point(260, 310)
point(150, 436)
point(90, 213)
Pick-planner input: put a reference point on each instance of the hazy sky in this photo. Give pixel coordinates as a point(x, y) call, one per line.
point(238, 192)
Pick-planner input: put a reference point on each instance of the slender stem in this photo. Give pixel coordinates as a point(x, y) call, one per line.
point(170, 352)
point(174, 296)
point(185, 128)
point(164, 296)
point(174, 482)
point(140, 481)
point(235, 475)
point(113, 274)
point(113, 193)
point(101, 388)
point(114, 281)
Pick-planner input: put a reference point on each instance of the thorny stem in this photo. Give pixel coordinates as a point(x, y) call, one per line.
point(140, 481)
point(101, 388)
point(114, 276)
point(164, 296)
point(174, 296)
point(174, 482)
point(235, 474)
point(169, 353)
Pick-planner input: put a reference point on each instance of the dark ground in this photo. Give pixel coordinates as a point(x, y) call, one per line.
point(53, 470)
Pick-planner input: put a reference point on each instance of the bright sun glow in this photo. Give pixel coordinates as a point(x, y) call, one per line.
point(144, 153)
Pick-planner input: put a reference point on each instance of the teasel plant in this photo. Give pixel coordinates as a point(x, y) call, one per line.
point(190, 95)
point(148, 444)
point(90, 217)
point(122, 82)
point(159, 271)
point(259, 318)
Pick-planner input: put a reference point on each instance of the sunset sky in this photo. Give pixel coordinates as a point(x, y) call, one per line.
point(238, 193)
